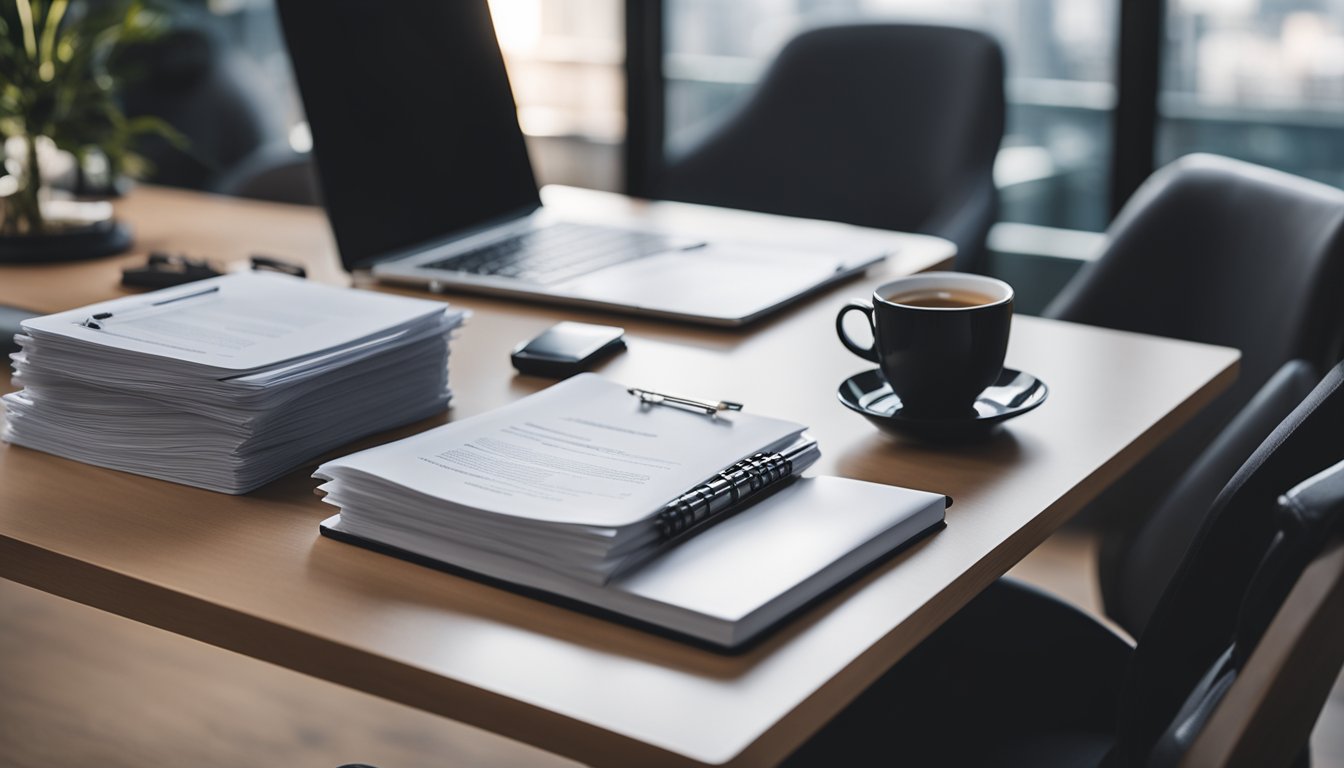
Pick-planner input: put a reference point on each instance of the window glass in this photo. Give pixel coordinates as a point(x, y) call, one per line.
point(565, 61)
point(1054, 166)
point(1262, 80)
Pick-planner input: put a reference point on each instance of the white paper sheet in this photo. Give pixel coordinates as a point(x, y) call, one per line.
point(238, 322)
point(584, 451)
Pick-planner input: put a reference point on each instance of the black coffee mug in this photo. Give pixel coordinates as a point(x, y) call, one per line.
point(939, 338)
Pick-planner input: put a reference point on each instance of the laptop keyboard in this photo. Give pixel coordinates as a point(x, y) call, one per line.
point(555, 252)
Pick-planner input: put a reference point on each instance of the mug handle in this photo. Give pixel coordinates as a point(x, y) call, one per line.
point(867, 353)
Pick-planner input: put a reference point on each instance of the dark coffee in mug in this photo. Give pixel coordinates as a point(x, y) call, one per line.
point(939, 338)
point(941, 299)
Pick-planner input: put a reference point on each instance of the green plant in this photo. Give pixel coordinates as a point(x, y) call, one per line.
point(59, 75)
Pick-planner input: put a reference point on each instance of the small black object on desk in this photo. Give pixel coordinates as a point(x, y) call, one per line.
point(567, 348)
point(272, 264)
point(11, 319)
point(165, 270)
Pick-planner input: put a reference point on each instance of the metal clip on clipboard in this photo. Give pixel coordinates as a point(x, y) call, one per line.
point(706, 406)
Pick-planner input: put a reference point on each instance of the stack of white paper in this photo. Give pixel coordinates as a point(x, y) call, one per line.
point(568, 480)
point(227, 383)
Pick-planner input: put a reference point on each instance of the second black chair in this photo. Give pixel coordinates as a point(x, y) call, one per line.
point(893, 126)
point(1223, 252)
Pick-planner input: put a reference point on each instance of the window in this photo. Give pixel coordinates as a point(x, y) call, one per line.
point(1053, 169)
point(566, 63)
point(565, 60)
point(1262, 80)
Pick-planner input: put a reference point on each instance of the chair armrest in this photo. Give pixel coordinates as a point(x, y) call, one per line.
point(1273, 704)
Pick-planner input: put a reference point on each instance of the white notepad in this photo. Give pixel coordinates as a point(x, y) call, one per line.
point(564, 492)
point(735, 580)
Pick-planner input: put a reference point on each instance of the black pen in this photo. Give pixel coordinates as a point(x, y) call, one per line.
point(95, 321)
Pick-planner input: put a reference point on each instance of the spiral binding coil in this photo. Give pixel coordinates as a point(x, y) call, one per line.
point(724, 493)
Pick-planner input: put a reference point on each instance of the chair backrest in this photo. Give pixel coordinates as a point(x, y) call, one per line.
point(1258, 704)
point(276, 173)
point(1201, 611)
point(1148, 562)
point(882, 125)
point(223, 105)
point(1220, 251)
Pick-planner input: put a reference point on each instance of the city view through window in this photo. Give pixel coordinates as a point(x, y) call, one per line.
point(1262, 80)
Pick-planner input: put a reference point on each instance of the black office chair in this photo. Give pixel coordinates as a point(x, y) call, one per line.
point(275, 173)
point(1285, 654)
point(1274, 697)
point(1140, 571)
point(1223, 252)
point(1019, 678)
point(212, 94)
point(883, 125)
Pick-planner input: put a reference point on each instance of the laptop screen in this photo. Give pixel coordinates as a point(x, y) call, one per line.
point(415, 132)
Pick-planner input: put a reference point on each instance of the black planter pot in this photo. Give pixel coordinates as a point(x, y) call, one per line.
point(92, 242)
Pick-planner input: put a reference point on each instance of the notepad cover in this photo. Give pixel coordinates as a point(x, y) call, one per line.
point(727, 587)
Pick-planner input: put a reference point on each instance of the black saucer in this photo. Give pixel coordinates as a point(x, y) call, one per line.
point(1013, 394)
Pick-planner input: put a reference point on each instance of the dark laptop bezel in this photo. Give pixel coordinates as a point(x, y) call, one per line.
point(309, 27)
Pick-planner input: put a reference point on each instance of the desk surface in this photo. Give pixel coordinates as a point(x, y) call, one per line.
point(251, 573)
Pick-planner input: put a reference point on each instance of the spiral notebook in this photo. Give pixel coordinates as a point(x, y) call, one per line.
point(687, 523)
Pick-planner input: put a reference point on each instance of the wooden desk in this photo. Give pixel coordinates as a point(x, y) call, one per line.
point(252, 575)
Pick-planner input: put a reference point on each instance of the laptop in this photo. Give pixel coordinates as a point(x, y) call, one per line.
point(426, 179)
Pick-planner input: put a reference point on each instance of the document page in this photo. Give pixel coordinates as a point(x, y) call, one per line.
point(584, 451)
point(239, 322)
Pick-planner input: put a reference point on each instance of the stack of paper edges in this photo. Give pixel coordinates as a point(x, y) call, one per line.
point(227, 383)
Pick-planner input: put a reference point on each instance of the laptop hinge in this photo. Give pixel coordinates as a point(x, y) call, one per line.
point(411, 250)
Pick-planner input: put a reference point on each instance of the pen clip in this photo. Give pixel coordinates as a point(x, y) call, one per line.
point(95, 321)
point(707, 407)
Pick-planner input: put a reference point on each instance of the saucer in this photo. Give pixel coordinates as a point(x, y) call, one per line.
point(1013, 394)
